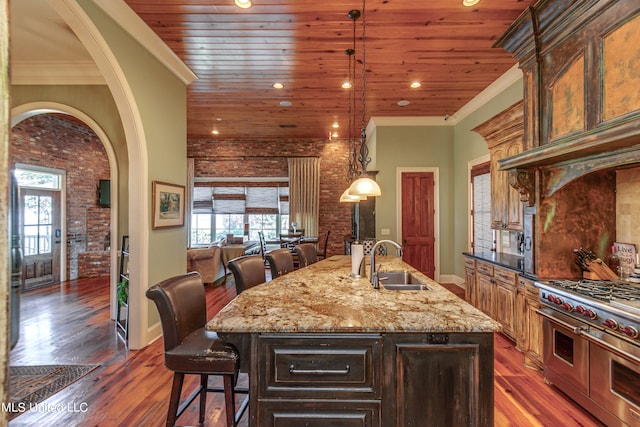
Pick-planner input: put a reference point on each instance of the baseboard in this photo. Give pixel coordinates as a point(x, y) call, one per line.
point(452, 278)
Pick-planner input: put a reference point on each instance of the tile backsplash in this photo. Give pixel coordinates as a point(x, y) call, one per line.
point(628, 206)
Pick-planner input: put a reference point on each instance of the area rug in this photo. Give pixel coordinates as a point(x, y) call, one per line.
point(30, 385)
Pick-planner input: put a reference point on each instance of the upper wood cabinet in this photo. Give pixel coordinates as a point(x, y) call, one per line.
point(581, 104)
point(504, 134)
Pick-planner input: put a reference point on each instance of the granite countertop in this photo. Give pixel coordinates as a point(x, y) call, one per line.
point(514, 262)
point(322, 298)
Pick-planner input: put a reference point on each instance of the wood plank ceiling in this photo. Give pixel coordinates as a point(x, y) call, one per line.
point(238, 54)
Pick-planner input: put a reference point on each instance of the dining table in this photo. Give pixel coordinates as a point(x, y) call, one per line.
point(235, 250)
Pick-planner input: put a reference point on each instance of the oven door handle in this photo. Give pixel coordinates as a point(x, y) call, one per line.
point(548, 314)
point(609, 347)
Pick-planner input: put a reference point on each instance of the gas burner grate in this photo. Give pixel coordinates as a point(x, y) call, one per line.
point(601, 289)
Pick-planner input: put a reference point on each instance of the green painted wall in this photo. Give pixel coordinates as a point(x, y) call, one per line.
point(468, 146)
point(449, 148)
point(415, 146)
point(160, 99)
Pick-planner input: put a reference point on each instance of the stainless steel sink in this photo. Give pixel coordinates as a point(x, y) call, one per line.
point(401, 280)
point(405, 287)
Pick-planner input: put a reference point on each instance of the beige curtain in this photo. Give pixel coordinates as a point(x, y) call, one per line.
point(304, 193)
point(189, 196)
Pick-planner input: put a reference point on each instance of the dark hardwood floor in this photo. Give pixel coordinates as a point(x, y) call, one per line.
point(69, 324)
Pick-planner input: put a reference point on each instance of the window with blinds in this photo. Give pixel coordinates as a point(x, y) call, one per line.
point(483, 234)
point(224, 208)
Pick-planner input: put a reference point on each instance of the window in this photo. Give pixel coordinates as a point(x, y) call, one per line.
point(201, 229)
point(37, 224)
point(224, 208)
point(483, 234)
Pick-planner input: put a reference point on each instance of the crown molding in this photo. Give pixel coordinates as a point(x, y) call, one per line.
point(121, 13)
point(56, 73)
point(511, 76)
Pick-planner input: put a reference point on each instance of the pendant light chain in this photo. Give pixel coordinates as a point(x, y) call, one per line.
point(364, 158)
point(354, 167)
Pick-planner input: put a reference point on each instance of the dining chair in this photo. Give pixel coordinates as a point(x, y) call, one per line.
point(263, 246)
point(321, 252)
point(190, 349)
point(280, 262)
point(248, 271)
point(306, 254)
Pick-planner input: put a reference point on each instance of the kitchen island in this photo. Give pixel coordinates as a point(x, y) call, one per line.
point(322, 348)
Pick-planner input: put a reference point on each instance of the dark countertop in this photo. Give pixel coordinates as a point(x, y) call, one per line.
point(514, 262)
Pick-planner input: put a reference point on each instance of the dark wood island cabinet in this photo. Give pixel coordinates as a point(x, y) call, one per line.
point(325, 349)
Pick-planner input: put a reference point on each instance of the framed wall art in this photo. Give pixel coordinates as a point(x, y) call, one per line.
point(168, 205)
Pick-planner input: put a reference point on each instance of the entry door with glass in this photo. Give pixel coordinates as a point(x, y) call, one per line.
point(41, 234)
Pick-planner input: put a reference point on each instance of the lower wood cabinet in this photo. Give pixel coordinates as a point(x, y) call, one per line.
point(373, 380)
point(471, 290)
point(484, 285)
point(511, 300)
point(532, 325)
point(505, 300)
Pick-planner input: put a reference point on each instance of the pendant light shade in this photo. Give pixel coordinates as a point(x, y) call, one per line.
point(364, 186)
point(245, 4)
point(350, 198)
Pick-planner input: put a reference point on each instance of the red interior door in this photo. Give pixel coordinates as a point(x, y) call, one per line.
point(418, 221)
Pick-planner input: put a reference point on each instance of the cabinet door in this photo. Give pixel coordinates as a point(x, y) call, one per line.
point(438, 380)
point(504, 300)
point(485, 294)
point(470, 278)
point(499, 190)
point(514, 211)
point(443, 392)
point(533, 354)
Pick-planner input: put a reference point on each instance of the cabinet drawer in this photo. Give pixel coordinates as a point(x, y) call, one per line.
point(504, 275)
point(469, 262)
point(295, 413)
point(484, 268)
point(319, 365)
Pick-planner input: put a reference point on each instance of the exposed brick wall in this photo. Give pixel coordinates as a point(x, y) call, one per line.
point(241, 158)
point(49, 140)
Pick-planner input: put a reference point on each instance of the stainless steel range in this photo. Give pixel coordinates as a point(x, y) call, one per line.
point(592, 345)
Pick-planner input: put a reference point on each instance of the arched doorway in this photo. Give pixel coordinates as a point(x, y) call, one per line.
point(53, 135)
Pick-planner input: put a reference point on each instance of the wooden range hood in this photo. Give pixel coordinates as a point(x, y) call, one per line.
point(580, 60)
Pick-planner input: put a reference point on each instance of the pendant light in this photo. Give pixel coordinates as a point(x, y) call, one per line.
point(364, 186)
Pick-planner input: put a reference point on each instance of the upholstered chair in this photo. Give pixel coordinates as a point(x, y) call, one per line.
point(248, 271)
point(306, 254)
point(280, 262)
point(190, 349)
point(207, 262)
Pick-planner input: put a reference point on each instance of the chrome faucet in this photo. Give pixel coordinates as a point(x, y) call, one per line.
point(374, 273)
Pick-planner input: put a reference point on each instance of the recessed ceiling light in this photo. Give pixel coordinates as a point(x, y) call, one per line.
point(470, 2)
point(335, 125)
point(218, 119)
point(334, 135)
point(403, 103)
point(285, 104)
point(346, 85)
point(415, 85)
point(215, 132)
point(278, 85)
point(245, 4)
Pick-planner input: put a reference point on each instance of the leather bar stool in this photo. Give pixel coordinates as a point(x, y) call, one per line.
point(306, 254)
point(280, 262)
point(321, 253)
point(248, 271)
point(190, 349)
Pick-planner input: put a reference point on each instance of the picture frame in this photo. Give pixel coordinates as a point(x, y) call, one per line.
point(168, 205)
